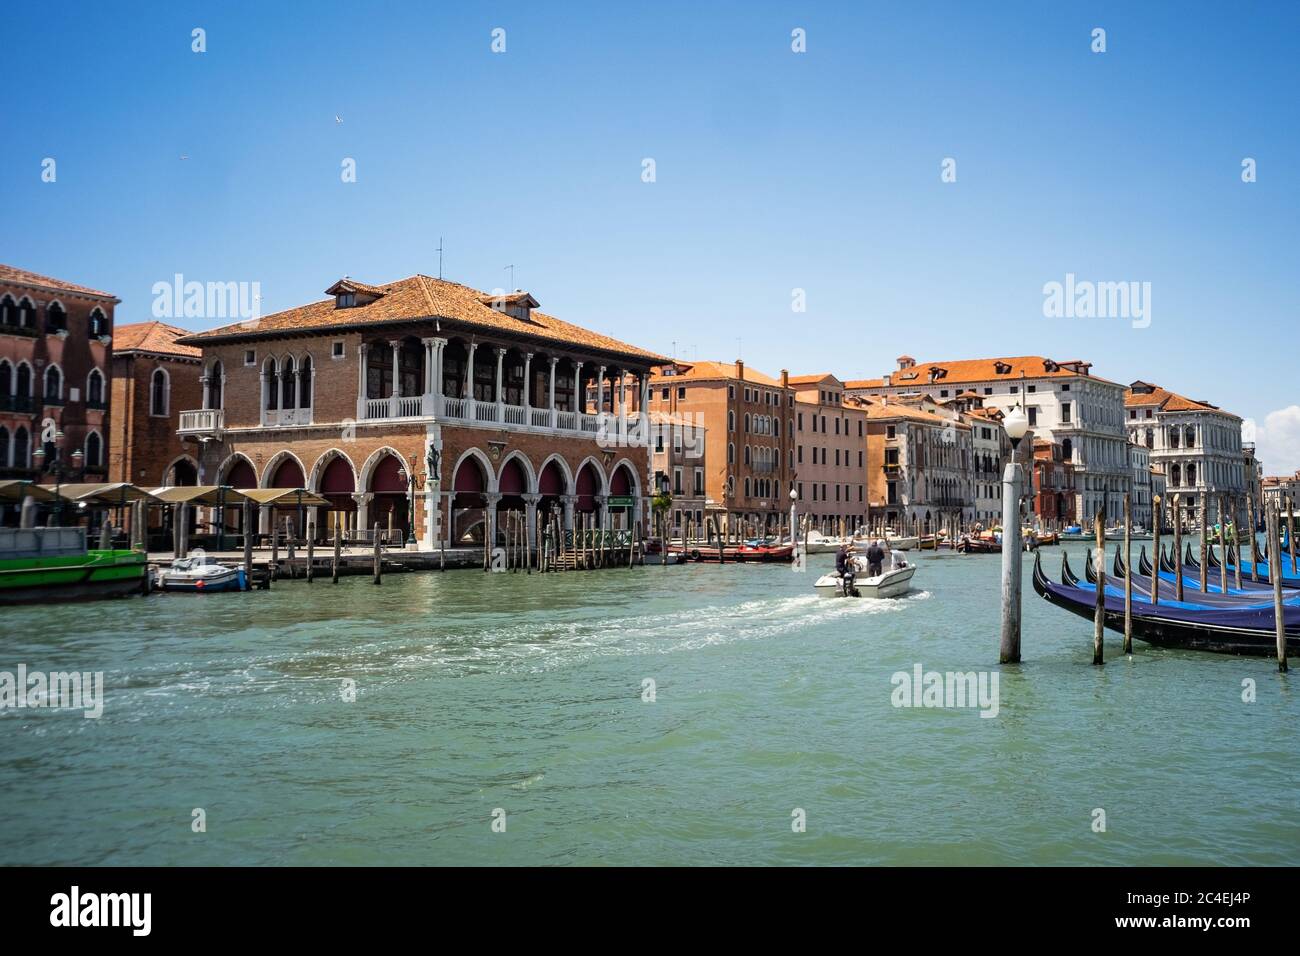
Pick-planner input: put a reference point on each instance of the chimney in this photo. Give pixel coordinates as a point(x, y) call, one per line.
point(740, 370)
point(785, 378)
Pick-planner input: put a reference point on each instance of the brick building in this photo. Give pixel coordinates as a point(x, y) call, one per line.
point(830, 459)
point(748, 419)
point(1053, 489)
point(467, 403)
point(55, 346)
point(677, 459)
point(153, 378)
point(921, 479)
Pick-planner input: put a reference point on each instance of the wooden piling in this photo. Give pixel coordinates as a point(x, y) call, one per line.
point(379, 560)
point(311, 552)
point(1223, 544)
point(1290, 530)
point(1236, 543)
point(338, 551)
point(1275, 574)
point(1155, 543)
point(1205, 534)
point(1254, 545)
point(248, 543)
point(1128, 577)
point(1099, 614)
point(1178, 547)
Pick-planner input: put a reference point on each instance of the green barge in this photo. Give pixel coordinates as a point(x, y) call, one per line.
point(54, 564)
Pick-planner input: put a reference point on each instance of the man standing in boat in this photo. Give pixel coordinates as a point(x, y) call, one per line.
point(844, 568)
point(875, 559)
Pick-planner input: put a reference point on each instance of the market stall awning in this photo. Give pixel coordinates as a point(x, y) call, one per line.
point(13, 491)
point(107, 495)
point(211, 495)
point(285, 497)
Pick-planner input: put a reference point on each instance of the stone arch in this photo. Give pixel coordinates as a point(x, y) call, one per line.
point(471, 481)
point(366, 475)
point(529, 474)
point(231, 469)
point(589, 482)
point(566, 474)
point(326, 459)
point(272, 469)
point(181, 470)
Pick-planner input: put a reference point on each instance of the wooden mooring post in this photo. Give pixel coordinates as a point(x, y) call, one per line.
point(1205, 543)
point(1290, 530)
point(311, 552)
point(1155, 544)
point(1275, 574)
point(274, 568)
point(1099, 613)
point(338, 551)
point(1223, 544)
point(1254, 545)
point(379, 559)
point(248, 543)
point(1178, 547)
point(1128, 577)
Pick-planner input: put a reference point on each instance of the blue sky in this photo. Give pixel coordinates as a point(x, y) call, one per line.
point(775, 171)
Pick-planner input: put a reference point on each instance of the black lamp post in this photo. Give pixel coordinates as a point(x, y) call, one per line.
point(408, 472)
point(56, 466)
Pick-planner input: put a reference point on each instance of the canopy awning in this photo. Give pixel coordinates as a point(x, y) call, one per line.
point(212, 495)
point(109, 495)
point(285, 497)
point(13, 491)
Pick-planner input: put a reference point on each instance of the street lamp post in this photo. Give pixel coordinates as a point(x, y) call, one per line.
point(1017, 424)
point(794, 522)
point(409, 474)
point(58, 468)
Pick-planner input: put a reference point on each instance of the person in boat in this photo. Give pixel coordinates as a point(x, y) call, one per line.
point(875, 559)
point(844, 568)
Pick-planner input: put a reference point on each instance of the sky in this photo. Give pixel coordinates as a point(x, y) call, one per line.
point(798, 215)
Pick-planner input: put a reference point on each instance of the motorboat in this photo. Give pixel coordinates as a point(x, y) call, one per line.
point(894, 581)
point(905, 543)
point(199, 573)
point(818, 543)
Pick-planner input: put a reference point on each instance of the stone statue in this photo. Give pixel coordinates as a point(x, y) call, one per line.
point(432, 461)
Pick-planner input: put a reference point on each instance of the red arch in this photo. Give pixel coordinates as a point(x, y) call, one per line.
point(337, 478)
point(512, 480)
point(288, 475)
point(241, 475)
point(469, 477)
point(551, 481)
point(621, 482)
point(587, 485)
point(387, 476)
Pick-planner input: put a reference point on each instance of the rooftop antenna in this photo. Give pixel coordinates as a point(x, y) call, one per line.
point(512, 277)
point(440, 258)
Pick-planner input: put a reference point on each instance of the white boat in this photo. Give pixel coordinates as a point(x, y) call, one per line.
point(818, 543)
point(894, 581)
point(900, 544)
point(200, 574)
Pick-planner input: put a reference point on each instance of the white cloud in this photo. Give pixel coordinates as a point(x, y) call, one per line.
point(1277, 440)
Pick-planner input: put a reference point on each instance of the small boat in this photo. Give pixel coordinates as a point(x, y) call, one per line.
point(894, 581)
point(765, 552)
point(975, 544)
point(54, 564)
point(201, 574)
point(818, 543)
point(903, 543)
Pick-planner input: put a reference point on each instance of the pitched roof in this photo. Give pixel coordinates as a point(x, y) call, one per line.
point(421, 297)
point(156, 337)
point(16, 276)
point(1138, 396)
point(865, 383)
point(718, 370)
point(796, 380)
point(877, 410)
point(965, 371)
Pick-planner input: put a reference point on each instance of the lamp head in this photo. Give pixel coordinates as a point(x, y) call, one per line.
point(1016, 423)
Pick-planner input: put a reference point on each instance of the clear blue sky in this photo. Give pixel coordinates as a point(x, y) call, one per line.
point(775, 170)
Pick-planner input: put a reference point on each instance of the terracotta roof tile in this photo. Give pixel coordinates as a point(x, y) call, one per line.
point(718, 370)
point(1165, 400)
point(18, 276)
point(155, 337)
point(421, 297)
point(965, 371)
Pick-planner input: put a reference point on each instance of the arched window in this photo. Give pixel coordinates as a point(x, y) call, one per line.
point(731, 454)
point(56, 320)
point(53, 384)
point(304, 383)
point(95, 388)
point(748, 457)
point(747, 423)
point(4, 447)
point(731, 421)
point(159, 392)
point(6, 382)
point(1191, 476)
point(288, 383)
point(26, 313)
point(22, 449)
point(747, 494)
point(269, 389)
point(98, 324)
point(8, 310)
point(1175, 474)
point(94, 451)
point(23, 388)
point(215, 377)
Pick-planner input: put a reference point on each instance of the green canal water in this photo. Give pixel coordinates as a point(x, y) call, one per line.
point(478, 693)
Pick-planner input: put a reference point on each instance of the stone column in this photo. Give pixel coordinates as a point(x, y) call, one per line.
point(264, 519)
point(363, 509)
point(396, 345)
point(361, 381)
point(530, 501)
point(469, 374)
point(554, 362)
point(490, 519)
point(528, 388)
point(501, 382)
point(569, 502)
point(600, 392)
point(577, 387)
point(602, 503)
point(204, 380)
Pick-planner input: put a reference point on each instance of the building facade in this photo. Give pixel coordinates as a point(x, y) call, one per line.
point(153, 379)
point(1196, 445)
point(428, 407)
point(748, 419)
point(55, 347)
point(923, 482)
point(1065, 404)
point(677, 459)
point(1053, 492)
point(1140, 498)
point(830, 454)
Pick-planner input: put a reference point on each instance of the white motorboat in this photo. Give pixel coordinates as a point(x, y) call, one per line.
point(897, 544)
point(200, 574)
point(818, 543)
point(894, 581)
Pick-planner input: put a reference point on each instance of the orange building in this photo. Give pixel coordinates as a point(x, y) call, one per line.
point(830, 453)
point(748, 419)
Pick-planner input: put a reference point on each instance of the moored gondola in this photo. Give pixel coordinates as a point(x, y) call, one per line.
point(1230, 630)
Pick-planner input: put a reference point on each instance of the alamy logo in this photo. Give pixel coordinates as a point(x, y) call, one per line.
point(206, 300)
point(58, 690)
point(102, 909)
point(1084, 299)
point(923, 688)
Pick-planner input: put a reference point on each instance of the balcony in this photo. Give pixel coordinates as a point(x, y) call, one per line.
point(469, 411)
point(202, 423)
